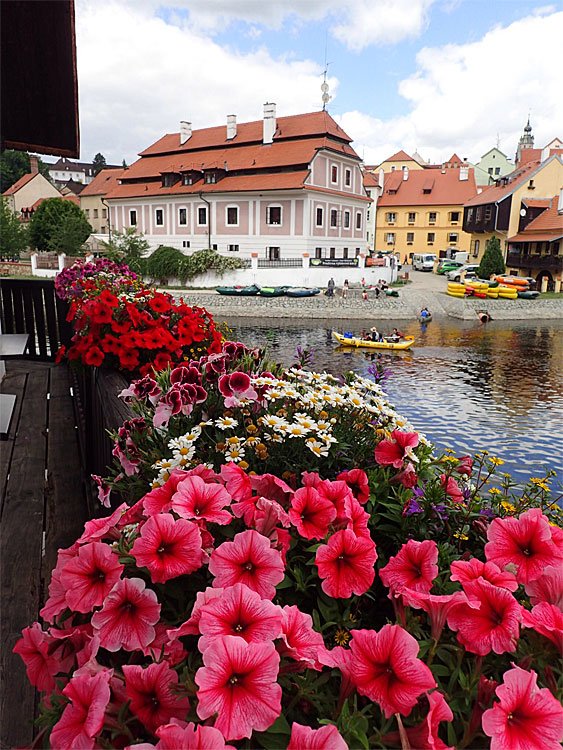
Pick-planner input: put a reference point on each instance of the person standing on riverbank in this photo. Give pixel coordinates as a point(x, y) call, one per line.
point(345, 287)
point(330, 288)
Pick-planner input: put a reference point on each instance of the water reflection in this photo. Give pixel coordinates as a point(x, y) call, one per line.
point(466, 385)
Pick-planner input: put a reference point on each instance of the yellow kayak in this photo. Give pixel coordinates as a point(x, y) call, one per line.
point(405, 343)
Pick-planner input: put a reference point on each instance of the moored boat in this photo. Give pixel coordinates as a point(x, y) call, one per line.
point(528, 294)
point(273, 291)
point(400, 345)
point(239, 291)
point(301, 291)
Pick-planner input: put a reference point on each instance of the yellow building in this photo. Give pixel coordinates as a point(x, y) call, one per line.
point(92, 197)
point(421, 211)
point(398, 162)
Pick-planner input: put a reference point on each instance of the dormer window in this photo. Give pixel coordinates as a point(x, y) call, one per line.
point(169, 179)
point(187, 179)
point(210, 178)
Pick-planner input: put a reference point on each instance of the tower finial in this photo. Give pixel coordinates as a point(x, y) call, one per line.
point(325, 97)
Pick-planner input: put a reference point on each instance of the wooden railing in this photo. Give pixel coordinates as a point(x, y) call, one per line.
point(31, 306)
point(530, 260)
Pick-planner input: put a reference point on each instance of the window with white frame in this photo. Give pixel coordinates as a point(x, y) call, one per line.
point(319, 214)
point(391, 217)
point(348, 177)
point(410, 238)
point(210, 178)
point(202, 216)
point(187, 179)
point(411, 217)
point(432, 216)
point(185, 243)
point(132, 218)
point(346, 219)
point(159, 217)
point(430, 238)
point(390, 238)
point(233, 248)
point(453, 238)
point(274, 215)
point(333, 217)
point(182, 217)
point(334, 173)
point(273, 253)
point(232, 216)
point(358, 220)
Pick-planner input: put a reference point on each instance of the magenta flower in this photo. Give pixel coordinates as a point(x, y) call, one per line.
point(436, 606)
point(89, 577)
point(181, 736)
point(338, 493)
point(546, 619)
point(526, 717)
point(248, 559)
point(128, 616)
point(325, 738)
point(300, 641)
point(413, 567)
point(465, 571)
point(153, 694)
point(393, 451)
point(547, 588)
point(237, 482)
point(239, 684)
point(425, 735)
point(168, 548)
point(56, 603)
point(451, 488)
point(358, 482)
point(239, 611)
point(160, 499)
point(358, 518)
point(488, 621)
point(346, 564)
point(197, 499)
point(191, 626)
point(35, 648)
point(270, 486)
point(98, 528)
point(525, 543)
point(311, 513)
point(83, 718)
point(385, 668)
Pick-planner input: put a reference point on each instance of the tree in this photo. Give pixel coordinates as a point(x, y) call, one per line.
point(99, 163)
point(47, 225)
point(127, 247)
point(492, 261)
point(124, 164)
point(68, 236)
point(13, 234)
point(14, 164)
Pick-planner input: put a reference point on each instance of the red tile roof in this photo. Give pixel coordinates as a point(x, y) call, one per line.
point(20, 183)
point(445, 188)
point(399, 156)
point(537, 202)
point(370, 180)
point(244, 162)
point(548, 226)
point(293, 126)
point(529, 154)
point(508, 184)
point(103, 182)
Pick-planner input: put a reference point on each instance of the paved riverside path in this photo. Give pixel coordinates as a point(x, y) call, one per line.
point(425, 290)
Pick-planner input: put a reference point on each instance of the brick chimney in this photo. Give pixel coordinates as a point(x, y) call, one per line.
point(269, 127)
point(33, 165)
point(185, 131)
point(231, 126)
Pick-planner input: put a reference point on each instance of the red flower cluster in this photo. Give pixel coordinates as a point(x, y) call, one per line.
point(138, 331)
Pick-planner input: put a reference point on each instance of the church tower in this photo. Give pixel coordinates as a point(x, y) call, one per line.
point(526, 141)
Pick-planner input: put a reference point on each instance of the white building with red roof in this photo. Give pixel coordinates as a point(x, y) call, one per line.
point(26, 191)
point(277, 187)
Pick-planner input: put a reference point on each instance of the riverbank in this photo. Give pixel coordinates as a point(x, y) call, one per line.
point(405, 307)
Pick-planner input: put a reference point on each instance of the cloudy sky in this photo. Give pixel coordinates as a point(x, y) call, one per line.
point(433, 75)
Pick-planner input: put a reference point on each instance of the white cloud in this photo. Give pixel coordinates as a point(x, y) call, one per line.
point(382, 22)
point(139, 76)
point(461, 96)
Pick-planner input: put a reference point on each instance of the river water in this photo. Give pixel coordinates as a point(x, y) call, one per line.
point(465, 385)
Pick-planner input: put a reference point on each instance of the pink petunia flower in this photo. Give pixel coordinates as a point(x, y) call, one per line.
point(300, 641)
point(98, 528)
point(311, 513)
point(358, 518)
point(436, 606)
point(191, 626)
point(34, 647)
point(239, 611)
point(524, 542)
point(526, 717)
point(236, 481)
point(465, 571)
point(268, 515)
point(160, 499)
point(56, 603)
point(83, 718)
point(385, 668)
point(358, 482)
point(547, 588)
point(393, 451)
point(168, 548)
point(153, 694)
point(128, 616)
point(346, 564)
point(488, 621)
point(451, 488)
point(546, 619)
point(413, 567)
point(177, 735)
point(89, 577)
point(338, 493)
point(248, 559)
point(425, 735)
point(272, 487)
point(238, 683)
point(197, 499)
point(325, 738)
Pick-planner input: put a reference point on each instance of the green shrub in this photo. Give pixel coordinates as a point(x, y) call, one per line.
point(492, 261)
point(168, 262)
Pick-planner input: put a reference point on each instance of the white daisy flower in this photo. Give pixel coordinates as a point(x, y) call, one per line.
point(226, 423)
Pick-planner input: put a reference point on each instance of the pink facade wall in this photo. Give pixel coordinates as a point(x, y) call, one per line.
point(221, 226)
point(299, 210)
point(275, 229)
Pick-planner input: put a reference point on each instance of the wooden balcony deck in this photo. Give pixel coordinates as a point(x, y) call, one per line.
point(42, 508)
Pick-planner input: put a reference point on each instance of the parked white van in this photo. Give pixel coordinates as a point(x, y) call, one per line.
point(423, 261)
